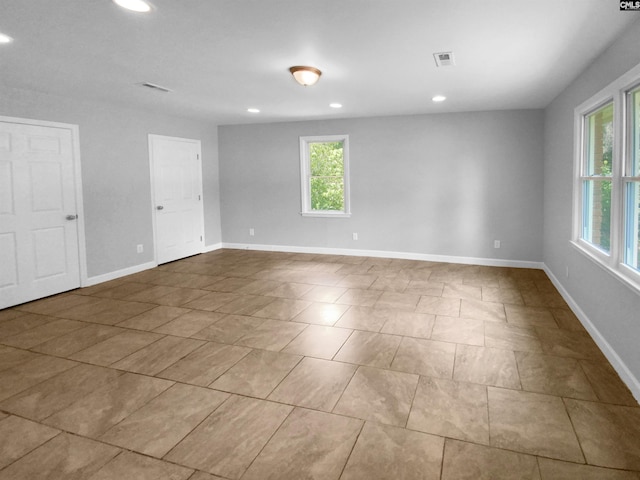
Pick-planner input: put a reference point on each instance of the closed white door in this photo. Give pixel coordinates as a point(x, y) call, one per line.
point(38, 215)
point(177, 197)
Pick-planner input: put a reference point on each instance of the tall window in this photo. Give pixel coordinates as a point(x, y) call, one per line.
point(324, 168)
point(632, 184)
point(596, 178)
point(607, 181)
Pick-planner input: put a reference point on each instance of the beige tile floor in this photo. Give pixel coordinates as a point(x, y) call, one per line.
point(255, 365)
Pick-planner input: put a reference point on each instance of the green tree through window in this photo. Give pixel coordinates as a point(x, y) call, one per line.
point(326, 176)
point(605, 187)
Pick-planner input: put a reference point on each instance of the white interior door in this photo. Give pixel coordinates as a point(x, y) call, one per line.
point(176, 171)
point(39, 253)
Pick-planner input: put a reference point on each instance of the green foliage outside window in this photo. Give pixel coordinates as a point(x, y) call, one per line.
point(327, 175)
point(607, 157)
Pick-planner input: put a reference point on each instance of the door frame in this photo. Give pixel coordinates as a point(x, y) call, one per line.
point(153, 136)
point(75, 147)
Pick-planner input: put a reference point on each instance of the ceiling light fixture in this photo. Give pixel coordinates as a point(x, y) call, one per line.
point(305, 76)
point(5, 38)
point(439, 98)
point(335, 105)
point(134, 5)
point(253, 110)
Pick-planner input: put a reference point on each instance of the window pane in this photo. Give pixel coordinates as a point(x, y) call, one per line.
point(635, 134)
point(596, 213)
point(326, 159)
point(327, 193)
point(599, 135)
point(632, 226)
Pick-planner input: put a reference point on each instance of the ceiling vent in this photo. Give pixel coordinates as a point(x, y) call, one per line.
point(444, 59)
point(153, 86)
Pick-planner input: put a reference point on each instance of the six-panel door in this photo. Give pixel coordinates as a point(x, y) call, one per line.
point(38, 217)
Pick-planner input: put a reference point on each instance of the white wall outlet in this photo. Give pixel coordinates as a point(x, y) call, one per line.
point(355, 236)
point(252, 232)
point(140, 248)
point(496, 244)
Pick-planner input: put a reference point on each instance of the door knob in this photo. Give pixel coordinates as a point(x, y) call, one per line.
point(159, 207)
point(72, 217)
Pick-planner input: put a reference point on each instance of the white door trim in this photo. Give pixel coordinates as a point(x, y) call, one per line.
point(153, 136)
point(75, 141)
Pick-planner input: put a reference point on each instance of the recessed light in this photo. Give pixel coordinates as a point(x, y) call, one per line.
point(134, 5)
point(253, 110)
point(439, 98)
point(335, 105)
point(5, 38)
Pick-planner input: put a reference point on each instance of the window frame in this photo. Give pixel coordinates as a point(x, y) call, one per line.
point(618, 93)
point(585, 176)
point(305, 176)
point(628, 177)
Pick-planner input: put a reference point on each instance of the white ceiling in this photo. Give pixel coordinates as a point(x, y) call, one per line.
point(221, 57)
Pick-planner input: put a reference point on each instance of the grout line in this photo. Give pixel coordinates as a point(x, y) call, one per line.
point(269, 439)
point(486, 392)
point(573, 427)
point(225, 401)
point(444, 451)
point(413, 399)
point(355, 370)
point(353, 447)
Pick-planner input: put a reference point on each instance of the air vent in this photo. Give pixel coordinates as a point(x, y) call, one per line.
point(155, 87)
point(444, 59)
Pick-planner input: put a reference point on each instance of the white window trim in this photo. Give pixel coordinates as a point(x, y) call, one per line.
point(612, 262)
point(305, 176)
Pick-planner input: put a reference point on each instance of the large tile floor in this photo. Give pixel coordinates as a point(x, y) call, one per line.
point(255, 365)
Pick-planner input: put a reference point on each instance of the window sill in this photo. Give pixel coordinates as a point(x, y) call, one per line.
point(623, 273)
point(326, 214)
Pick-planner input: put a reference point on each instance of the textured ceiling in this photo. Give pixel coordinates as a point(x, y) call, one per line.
point(221, 57)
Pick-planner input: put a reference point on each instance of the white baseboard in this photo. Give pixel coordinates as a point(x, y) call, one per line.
point(119, 273)
point(490, 262)
point(625, 373)
point(135, 269)
point(211, 248)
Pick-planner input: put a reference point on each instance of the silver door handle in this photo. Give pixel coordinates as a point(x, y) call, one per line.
point(72, 217)
point(159, 207)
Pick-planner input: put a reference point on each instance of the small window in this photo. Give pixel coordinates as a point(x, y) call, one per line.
point(324, 169)
point(596, 178)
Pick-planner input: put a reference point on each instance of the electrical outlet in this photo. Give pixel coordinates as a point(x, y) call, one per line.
point(496, 244)
point(140, 248)
point(252, 232)
point(355, 236)
point(567, 272)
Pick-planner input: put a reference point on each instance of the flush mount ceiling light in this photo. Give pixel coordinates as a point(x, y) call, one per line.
point(5, 38)
point(305, 76)
point(439, 98)
point(134, 5)
point(335, 105)
point(253, 110)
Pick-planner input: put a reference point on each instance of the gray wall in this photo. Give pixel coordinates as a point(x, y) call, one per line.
point(608, 303)
point(445, 184)
point(115, 172)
